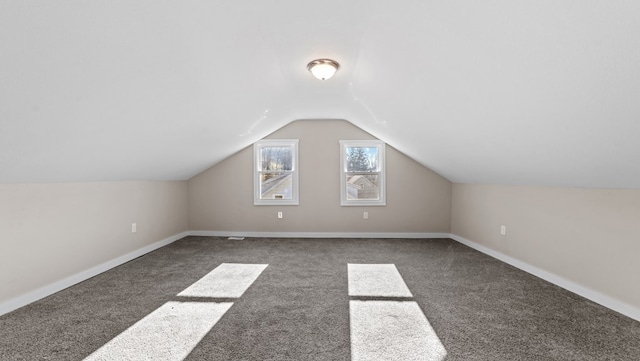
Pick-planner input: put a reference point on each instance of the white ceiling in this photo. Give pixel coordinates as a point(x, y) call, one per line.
point(542, 92)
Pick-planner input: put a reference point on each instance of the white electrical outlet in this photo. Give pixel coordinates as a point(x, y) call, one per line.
point(365, 215)
point(279, 214)
point(503, 230)
point(134, 227)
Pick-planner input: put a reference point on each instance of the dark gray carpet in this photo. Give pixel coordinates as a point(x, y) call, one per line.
point(298, 309)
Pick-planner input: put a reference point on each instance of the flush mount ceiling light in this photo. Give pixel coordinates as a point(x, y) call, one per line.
point(323, 69)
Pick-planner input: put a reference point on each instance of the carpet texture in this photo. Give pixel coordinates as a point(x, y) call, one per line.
point(376, 280)
point(298, 308)
point(392, 330)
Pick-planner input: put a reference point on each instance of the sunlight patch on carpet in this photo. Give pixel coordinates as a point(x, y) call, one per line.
point(392, 330)
point(169, 333)
point(378, 280)
point(229, 280)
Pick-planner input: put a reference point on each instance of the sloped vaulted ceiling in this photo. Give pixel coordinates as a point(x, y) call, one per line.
point(512, 92)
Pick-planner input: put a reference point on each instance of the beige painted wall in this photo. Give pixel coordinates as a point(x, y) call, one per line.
point(588, 236)
point(221, 198)
point(53, 231)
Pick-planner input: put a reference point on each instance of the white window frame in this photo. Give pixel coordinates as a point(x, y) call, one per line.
point(257, 171)
point(382, 198)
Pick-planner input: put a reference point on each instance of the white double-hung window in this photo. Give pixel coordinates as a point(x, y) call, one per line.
point(275, 172)
point(362, 173)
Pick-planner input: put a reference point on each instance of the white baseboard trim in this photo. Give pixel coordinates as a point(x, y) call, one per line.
point(595, 296)
point(57, 286)
point(318, 234)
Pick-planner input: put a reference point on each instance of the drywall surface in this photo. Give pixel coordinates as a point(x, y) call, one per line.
point(221, 198)
point(590, 237)
point(52, 231)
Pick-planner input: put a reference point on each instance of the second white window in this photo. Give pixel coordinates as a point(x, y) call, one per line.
point(362, 173)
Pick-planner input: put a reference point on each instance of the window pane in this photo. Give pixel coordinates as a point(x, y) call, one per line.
point(276, 158)
point(276, 185)
point(361, 186)
point(275, 173)
point(362, 172)
point(362, 159)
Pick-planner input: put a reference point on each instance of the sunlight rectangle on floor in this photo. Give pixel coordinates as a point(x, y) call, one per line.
point(376, 280)
point(229, 280)
point(392, 330)
point(169, 333)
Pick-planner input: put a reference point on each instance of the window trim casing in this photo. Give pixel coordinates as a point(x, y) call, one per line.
point(382, 198)
point(295, 194)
